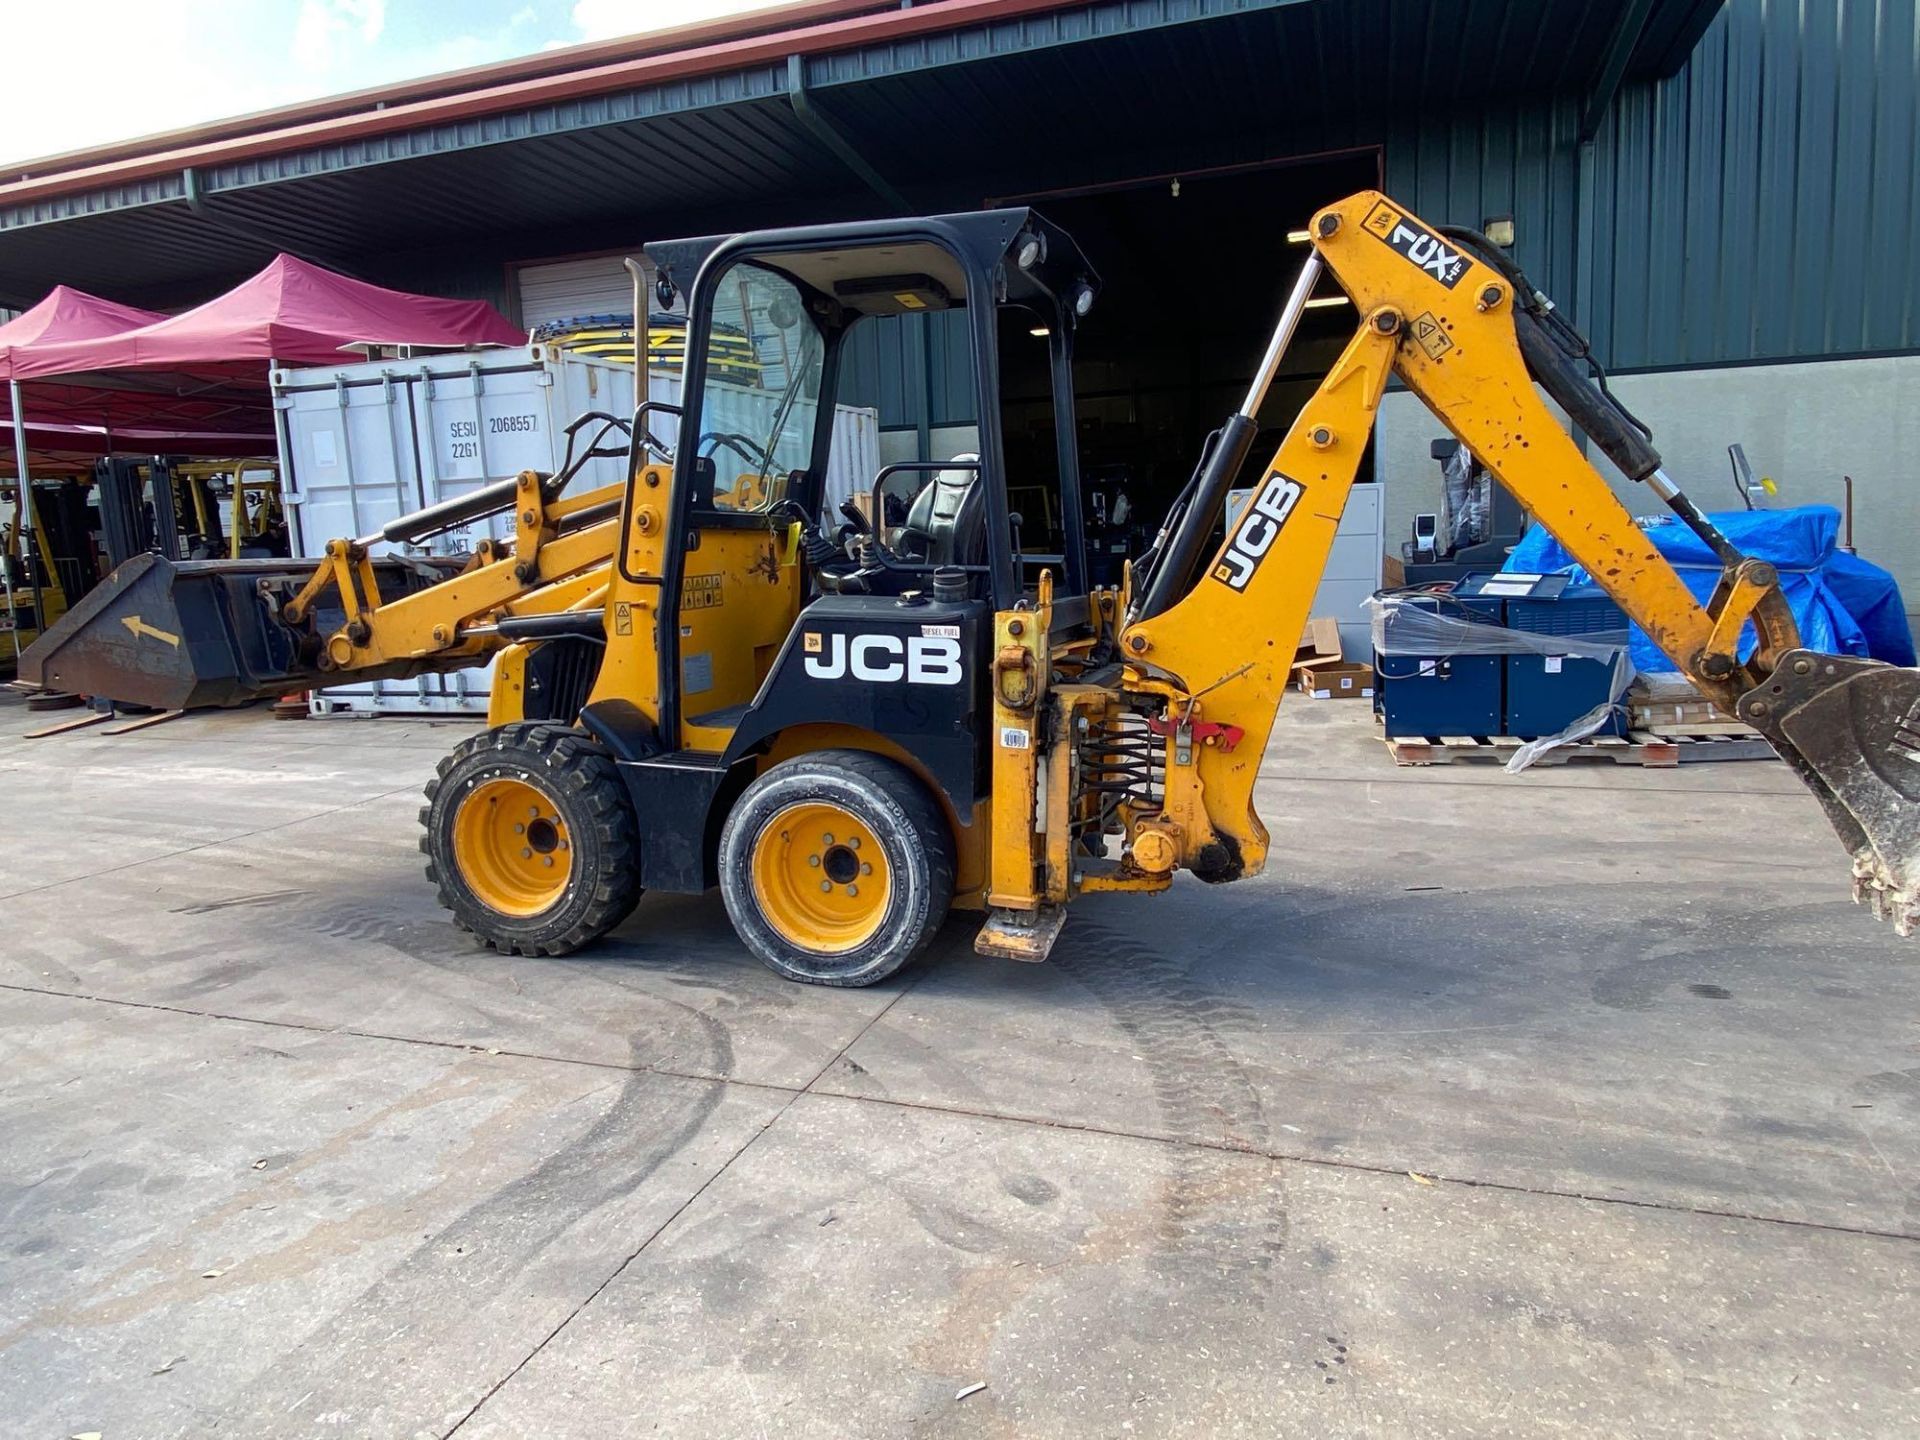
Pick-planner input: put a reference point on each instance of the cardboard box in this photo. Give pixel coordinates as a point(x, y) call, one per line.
point(1319, 644)
point(1337, 680)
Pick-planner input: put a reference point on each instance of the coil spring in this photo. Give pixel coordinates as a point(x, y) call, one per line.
point(1124, 761)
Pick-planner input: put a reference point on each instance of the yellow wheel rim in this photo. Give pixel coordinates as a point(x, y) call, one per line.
point(512, 847)
point(819, 878)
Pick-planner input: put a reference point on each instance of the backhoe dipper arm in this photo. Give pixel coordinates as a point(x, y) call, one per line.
point(1466, 333)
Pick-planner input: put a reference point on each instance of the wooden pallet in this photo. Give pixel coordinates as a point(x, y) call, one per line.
point(1636, 747)
point(1693, 717)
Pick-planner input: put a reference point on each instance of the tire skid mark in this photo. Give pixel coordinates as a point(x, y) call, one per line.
point(486, 1254)
point(1200, 1089)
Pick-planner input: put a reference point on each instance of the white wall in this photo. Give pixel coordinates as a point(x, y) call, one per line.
point(1805, 425)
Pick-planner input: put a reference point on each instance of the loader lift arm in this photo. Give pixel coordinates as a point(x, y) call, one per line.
point(1463, 329)
point(180, 635)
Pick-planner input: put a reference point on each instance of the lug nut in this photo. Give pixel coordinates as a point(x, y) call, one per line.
point(853, 889)
point(827, 839)
point(854, 841)
point(518, 828)
point(549, 860)
point(814, 861)
point(865, 869)
point(826, 887)
point(525, 853)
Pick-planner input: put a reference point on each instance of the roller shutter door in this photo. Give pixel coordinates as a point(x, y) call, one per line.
point(566, 288)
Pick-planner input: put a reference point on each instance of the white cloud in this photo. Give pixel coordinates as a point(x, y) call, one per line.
point(329, 35)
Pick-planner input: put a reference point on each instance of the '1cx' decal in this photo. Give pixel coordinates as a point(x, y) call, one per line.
point(1261, 527)
point(1419, 244)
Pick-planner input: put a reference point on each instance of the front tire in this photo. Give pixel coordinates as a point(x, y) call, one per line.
point(530, 839)
point(837, 867)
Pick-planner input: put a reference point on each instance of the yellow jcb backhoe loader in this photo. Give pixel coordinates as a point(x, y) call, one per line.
point(852, 729)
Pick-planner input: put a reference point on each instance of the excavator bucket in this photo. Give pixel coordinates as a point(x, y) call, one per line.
point(181, 635)
point(1851, 728)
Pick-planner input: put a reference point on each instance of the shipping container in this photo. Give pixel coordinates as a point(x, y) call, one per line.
point(365, 443)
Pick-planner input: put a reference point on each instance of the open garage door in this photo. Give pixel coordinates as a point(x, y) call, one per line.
point(1193, 270)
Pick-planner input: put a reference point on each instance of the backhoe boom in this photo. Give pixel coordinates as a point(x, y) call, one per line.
point(1462, 328)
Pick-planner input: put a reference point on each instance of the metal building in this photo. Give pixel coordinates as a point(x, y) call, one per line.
point(1723, 194)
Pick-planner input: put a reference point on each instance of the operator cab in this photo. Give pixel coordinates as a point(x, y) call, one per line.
point(805, 582)
point(764, 429)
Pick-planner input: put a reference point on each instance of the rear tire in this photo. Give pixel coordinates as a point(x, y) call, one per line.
point(837, 867)
point(530, 839)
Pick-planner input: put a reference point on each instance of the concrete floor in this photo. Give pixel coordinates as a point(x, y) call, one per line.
point(1575, 1103)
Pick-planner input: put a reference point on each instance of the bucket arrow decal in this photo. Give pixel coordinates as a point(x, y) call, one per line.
point(140, 627)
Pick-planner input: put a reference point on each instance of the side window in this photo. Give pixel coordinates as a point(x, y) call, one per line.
point(761, 396)
point(914, 375)
point(1029, 423)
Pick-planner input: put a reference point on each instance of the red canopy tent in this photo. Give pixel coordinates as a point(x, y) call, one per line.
point(291, 312)
point(132, 374)
point(69, 420)
point(68, 314)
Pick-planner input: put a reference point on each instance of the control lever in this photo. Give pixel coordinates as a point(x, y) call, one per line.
point(855, 517)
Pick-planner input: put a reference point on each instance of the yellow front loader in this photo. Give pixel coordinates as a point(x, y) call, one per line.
point(855, 717)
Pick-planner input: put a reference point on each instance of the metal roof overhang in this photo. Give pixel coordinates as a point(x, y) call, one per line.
point(939, 106)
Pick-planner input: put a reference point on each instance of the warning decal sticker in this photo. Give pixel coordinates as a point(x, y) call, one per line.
point(1432, 336)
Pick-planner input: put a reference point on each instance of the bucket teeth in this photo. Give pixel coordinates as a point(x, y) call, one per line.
point(1848, 726)
point(1890, 903)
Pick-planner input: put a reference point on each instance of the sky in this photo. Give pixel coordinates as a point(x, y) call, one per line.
point(84, 72)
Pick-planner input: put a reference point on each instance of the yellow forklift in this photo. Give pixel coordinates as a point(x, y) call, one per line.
point(852, 725)
point(50, 561)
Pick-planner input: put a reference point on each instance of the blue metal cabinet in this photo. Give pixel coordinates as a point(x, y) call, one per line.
point(1443, 694)
point(1545, 692)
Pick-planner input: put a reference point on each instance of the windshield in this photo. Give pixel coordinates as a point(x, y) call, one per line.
point(757, 414)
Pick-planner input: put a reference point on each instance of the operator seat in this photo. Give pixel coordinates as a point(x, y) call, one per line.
point(947, 522)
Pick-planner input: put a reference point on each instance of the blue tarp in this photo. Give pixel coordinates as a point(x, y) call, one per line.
point(1843, 604)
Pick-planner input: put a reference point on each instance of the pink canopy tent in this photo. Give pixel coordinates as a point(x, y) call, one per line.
point(291, 312)
point(66, 420)
point(68, 314)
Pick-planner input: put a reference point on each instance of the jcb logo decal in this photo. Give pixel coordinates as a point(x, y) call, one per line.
point(1258, 530)
point(882, 659)
point(1420, 245)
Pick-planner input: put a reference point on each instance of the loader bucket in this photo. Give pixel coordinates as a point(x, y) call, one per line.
point(181, 635)
point(1851, 729)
